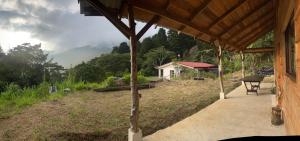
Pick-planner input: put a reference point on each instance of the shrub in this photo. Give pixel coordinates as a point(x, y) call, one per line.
point(12, 91)
point(141, 79)
point(109, 82)
point(42, 90)
point(81, 86)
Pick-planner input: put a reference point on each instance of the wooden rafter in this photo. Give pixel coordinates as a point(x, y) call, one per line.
point(198, 11)
point(258, 50)
point(147, 26)
point(253, 26)
point(165, 14)
point(250, 14)
point(112, 18)
point(259, 19)
point(254, 37)
point(254, 33)
point(243, 45)
point(228, 12)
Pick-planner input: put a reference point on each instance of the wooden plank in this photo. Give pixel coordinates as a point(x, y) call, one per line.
point(250, 33)
point(134, 117)
point(147, 26)
point(163, 13)
point(199, 10)
point(228, 12)
point(243, 45)
point(260, 19)
point(113, 19)
point(259, 50)
point(250, 14)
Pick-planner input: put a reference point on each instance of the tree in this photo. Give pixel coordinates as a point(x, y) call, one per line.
point(23, 65)
point(161, 39)
point(156, 57)
point(180, 43)
point(146, 45)
point(122, 48)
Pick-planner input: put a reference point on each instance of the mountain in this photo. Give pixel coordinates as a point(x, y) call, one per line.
point(78, 55)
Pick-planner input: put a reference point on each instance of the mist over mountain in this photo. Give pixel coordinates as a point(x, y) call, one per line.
point(77, 55)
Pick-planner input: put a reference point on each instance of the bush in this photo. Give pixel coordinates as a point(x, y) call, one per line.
point(109, 82)
point(12, 91)
point(141, 79)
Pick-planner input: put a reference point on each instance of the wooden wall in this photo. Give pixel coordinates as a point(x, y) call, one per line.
point(288, 89)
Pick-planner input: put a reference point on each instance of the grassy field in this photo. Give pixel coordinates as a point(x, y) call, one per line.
point(90, 115)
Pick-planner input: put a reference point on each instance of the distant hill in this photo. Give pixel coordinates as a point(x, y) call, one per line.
point(77, 55)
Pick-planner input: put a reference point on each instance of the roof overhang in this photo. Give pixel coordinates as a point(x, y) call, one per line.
point(235, 23)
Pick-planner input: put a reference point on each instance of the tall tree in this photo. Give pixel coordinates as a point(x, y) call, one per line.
point(180, 43)
point(146, 45)
point(161, 39)
point(156, 57)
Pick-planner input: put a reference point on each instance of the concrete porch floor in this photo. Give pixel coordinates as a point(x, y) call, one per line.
point(238, 116)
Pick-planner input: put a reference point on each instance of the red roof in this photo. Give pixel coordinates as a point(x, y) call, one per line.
point(196, 64)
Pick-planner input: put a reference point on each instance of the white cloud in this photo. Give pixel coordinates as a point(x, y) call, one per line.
point(57, 24)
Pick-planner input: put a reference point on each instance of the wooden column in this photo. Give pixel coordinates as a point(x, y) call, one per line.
point(133, 82)
point(220, 68)
point(243, 65)
point(159, 73)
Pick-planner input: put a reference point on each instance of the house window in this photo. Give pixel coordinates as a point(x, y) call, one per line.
point(290, 48)
point(172, 73)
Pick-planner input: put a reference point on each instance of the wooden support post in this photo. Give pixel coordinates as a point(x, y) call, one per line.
point(220, 69)
point(243, 66)
point(134, 133)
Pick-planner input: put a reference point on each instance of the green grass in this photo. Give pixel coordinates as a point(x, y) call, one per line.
point(15, 98)
point(105, 116)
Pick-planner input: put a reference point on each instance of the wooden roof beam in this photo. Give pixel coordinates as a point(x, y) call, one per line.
point(254, 37)
point(258, 50)
point(250, 14)
point(247, 33)
point(199, 10)
point(260, 19)
point(163, 13)
point(228, 12)
point(252, 34)
point(113, 19)
point(244, 44)
point(147, 26)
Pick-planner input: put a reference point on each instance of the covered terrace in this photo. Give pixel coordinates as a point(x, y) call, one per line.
point(227, 24)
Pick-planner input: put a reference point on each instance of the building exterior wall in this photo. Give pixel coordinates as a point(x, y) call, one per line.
point(287, 87)
point(167, 69)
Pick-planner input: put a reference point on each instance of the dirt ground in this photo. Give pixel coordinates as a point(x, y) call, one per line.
point(105, 116)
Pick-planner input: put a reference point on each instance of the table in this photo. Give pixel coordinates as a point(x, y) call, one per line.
point(254, 82)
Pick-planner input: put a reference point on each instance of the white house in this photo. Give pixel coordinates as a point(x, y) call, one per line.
point(174, 69)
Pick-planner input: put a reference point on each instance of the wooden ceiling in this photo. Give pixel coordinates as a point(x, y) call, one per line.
point(235, 23)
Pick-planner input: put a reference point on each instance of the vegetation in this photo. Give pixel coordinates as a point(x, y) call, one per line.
point(90, 115)
point(26, 72)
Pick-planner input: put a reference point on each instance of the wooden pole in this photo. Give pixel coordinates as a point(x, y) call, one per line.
point(243, 65)
point(134, 87)
point(220, 69)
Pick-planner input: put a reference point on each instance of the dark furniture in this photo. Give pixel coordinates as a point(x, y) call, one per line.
point(254, 82)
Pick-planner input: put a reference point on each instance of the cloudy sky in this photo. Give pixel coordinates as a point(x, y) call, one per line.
point(56, 24)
